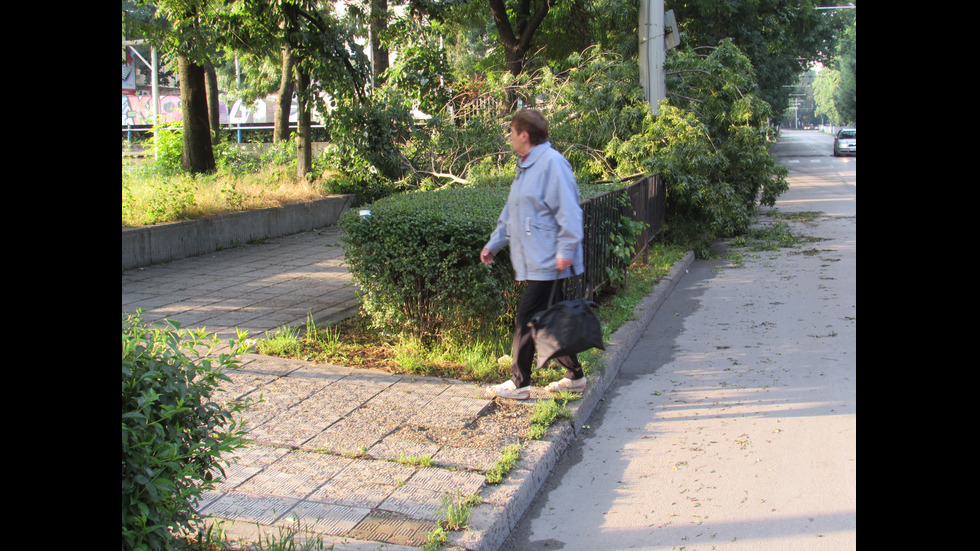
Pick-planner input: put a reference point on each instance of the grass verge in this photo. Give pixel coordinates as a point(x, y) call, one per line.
point(355, 343)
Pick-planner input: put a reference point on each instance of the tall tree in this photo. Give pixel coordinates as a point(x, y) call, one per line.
point(845, 98)
point(214, 113)
point(183, 32)
point(316, 56)
point(379, 53)
point(780, 37)
point(284, 101)
point(197, 156)
point(516, 30)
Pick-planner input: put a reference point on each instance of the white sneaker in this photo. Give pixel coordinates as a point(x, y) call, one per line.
point(510, 390)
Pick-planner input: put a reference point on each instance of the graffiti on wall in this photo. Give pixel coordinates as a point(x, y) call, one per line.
point(138, 110)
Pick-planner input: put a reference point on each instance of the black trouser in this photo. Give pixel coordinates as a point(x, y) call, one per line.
point(534, 300)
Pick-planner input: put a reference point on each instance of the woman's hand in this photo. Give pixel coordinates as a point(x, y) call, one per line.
point(562, 263)
point(486, 256)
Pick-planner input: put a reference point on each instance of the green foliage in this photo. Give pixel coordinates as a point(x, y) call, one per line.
point(364, 145)
point(168, 141)
point(233, 160)
point(162, 199)
point(622, 245)
point(711, 144)
point(594, 106)
point(472, 149)
point(416, 262)
point(509, 456)
point(546, 412)
point(281, 153)
point(173, 431)
point(419, 68)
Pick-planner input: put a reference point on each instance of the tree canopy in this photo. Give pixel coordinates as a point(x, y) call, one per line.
point(434, 115)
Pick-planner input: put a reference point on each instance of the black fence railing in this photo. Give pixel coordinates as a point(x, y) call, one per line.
point(642, 201)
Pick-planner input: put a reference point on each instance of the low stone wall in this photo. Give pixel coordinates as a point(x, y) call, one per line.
point(148, 245)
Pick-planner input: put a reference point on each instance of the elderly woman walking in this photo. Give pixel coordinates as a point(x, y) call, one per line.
point(542, 223)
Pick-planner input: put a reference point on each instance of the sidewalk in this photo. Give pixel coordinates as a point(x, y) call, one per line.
point(332, 446)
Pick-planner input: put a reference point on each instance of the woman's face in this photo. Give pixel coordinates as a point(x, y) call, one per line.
point(520, 142)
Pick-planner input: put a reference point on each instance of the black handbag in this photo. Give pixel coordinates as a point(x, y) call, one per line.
point(565, 328)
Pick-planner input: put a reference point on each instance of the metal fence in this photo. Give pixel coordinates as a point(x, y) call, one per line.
point(641, 201)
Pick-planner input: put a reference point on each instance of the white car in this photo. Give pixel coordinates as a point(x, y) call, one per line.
point(845, 142)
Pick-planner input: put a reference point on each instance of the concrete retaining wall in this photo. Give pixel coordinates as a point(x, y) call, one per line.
point(165, 242)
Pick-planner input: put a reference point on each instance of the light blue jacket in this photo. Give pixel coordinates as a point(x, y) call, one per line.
point(542, 219)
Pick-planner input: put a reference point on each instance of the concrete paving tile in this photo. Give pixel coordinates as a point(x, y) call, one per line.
point(449, 412)
point(270, 364)
point(325, 518)
point(283, 433)
point(322, 372)
point(447, 481)
point(481, 460)
point(348, 445)
point(394, 449)
point(272, 482)
point(415, 502)
point(260, 413)
point(296, 388)
point(249, 508)
point(352, 493)
point(317, 465)
point(235, 475)
point(392, 528)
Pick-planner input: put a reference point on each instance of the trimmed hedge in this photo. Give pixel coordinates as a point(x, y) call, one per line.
point(417, 262)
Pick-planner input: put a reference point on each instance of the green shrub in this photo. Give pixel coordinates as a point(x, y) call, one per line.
point(416, 261)
point(168, 141)
point(173, 432)
point(231, 159)
point(363, 149)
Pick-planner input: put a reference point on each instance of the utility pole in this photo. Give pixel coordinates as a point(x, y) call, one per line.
point(658, 33)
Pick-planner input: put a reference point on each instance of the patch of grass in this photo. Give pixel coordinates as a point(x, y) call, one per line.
point(153, 196)
point(415, 460)
point(546, 412)
point(455, 511)
point(506, 462)
point(355, 343)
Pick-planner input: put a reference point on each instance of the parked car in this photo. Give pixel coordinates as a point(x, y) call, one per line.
point(845, 142)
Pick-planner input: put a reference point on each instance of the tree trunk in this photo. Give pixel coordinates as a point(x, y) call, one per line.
point(197, 155)
point(379, 55)
point(516, 37)
point(285, 102)
point(304, 154)
point(214, 114)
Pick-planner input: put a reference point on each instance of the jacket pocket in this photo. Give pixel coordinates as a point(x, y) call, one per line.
point(541, 244)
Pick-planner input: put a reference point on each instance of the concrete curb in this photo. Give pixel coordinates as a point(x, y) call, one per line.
point(492, 521)
point(148, 245)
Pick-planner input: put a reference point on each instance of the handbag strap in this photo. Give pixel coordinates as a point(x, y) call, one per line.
point(554, 287)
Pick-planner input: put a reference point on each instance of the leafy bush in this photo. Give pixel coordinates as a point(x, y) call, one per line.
point(168, 141)
point(364, 146)
point(173, 432)
point(234, 160)
point(416, 261)
point(157, 199)
point(280, 153)
point(713, 143)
